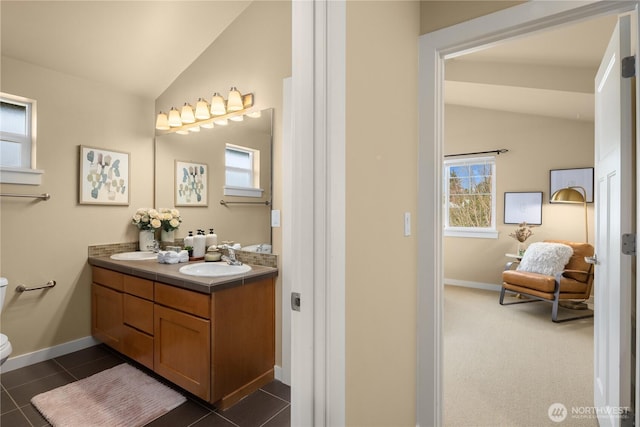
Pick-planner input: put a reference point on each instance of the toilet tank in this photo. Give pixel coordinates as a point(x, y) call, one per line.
point(3, 290)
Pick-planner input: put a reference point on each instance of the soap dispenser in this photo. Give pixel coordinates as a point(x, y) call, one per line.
point(188, 241)
point(212, 238)
point(199, 244)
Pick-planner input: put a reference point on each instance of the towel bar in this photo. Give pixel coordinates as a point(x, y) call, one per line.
point(49, 284)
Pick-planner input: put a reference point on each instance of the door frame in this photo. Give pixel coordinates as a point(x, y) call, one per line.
point(434, 48)
point(314, 227)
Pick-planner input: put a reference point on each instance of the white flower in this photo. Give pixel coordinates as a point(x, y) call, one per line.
point(156, 223)
point(174, 223)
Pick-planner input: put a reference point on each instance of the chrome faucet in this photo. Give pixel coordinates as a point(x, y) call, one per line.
point(231, 258)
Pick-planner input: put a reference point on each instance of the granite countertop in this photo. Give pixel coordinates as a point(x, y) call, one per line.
point(169, 274)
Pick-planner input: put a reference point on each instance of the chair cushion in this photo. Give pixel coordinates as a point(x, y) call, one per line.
point(540, 282)
point(546, 258)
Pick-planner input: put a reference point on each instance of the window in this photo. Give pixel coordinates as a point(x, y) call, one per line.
point(17, 140)
point(470, 208)
point(242, 171)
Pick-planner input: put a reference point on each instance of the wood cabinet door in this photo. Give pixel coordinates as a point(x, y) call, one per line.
point(138, 346)
point(106, 316)
point(182, 350)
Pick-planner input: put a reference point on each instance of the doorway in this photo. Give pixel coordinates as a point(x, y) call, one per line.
point(434, 49)
point(530, 97)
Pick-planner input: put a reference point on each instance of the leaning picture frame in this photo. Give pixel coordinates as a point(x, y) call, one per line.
point(523, 207)
point(104, 177)
point(571, 178)
point(191, 183)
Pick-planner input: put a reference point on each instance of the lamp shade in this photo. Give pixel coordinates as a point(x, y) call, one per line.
point(217, 105)
point(202, 110)
point(174, 118)
point(162, 121)
point(235, 100)
point(568, 195)
point(187, 114)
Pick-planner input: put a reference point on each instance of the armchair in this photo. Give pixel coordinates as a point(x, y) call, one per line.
point(573, 283)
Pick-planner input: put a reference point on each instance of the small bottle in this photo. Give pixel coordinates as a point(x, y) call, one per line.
point(212, 238)
point(188, 241)
point(199, 244)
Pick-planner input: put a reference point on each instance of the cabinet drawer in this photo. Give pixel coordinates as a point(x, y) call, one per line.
point(138, 346)
point(138, 313)
point(184, 300)
point(139, 287)
point(109, 278)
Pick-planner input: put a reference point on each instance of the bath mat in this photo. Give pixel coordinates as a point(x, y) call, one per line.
point(120, 396)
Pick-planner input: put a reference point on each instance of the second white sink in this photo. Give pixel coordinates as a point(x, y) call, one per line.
point(214, 269)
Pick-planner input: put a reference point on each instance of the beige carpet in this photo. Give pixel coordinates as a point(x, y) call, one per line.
point(120, 396)
point(506, 365)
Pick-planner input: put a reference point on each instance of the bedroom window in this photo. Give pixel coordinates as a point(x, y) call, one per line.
point(470, 195)
point(18, 140)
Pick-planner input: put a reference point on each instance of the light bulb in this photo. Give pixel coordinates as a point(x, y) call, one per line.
point(217, 105)
point(202, 110)
point(235, 100)
point(162, 122)
point(187, 114)
point(174, 118)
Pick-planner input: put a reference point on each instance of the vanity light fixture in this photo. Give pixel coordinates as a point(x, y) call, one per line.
point(162, 122)
point(174, 118)
point(202, 110)
point(217, 105)
point(235, 100)
point(187, 114)
point(205, 115)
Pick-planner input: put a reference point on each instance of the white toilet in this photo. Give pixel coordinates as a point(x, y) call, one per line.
point(5, 345)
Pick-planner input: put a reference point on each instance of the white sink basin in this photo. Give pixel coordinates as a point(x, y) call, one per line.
point(214, 269)
point(135, 256)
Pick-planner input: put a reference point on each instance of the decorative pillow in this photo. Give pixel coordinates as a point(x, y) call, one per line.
point(545, 258)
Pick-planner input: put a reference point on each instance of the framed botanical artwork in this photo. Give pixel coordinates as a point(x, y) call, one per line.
point(523, 207)
point(567, 178)
point(104, 177)
point(191, 187)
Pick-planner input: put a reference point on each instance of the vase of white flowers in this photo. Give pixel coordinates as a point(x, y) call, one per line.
point(148, 221)
point(170, 220)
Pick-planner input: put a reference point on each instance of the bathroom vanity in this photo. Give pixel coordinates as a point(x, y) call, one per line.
point(214, 337)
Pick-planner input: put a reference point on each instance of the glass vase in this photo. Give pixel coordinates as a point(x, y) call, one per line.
point(522, 247)
point(145, 240)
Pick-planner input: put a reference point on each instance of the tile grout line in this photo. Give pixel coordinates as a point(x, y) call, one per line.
point(275, 415)
point(276, 396)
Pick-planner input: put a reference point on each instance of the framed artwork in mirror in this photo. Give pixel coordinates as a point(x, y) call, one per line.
point(191, 180)
point(566, 178)
point(523, 207)
point(104, 177)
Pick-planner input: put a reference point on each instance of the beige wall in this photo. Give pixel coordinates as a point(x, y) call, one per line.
point(437, 14)
point(536, 145)
point(254, 54)
point(44, 240)
point(381, 175)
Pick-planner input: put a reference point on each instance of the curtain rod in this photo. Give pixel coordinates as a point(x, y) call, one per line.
point(498, 152)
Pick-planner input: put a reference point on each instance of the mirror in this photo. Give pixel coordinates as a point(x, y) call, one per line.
point(245, 220)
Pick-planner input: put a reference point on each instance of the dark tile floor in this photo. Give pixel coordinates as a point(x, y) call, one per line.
point(268, 407)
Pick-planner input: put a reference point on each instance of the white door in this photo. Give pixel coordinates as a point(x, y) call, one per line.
point(614, 216)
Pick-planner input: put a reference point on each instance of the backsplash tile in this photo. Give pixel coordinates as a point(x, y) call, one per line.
point(255, 258)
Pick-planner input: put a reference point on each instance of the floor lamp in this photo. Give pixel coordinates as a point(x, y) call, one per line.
point(572, 195)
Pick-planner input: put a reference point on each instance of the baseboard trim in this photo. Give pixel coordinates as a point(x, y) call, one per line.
point(475, 285)
point(27, 359)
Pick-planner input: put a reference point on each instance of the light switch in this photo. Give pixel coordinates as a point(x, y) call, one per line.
point(275, 218)
point(407, 223)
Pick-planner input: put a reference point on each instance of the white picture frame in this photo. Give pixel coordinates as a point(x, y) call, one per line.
point(523, 207)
